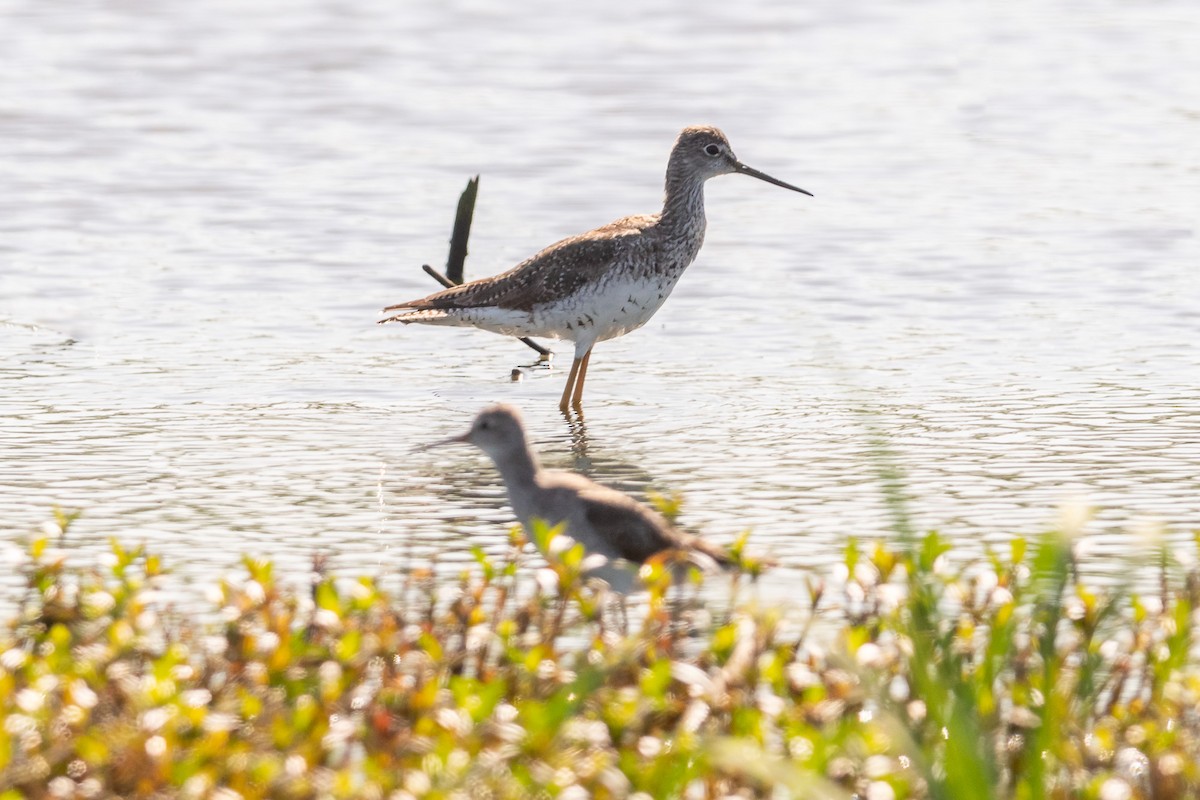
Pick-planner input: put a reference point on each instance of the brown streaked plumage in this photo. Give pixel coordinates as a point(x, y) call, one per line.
point(603, 520)
point(603, 283)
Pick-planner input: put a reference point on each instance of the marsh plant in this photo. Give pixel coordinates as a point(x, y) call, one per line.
point(928, 676)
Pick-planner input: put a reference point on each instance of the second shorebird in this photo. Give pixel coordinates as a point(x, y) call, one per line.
point(606, 522)
point(601, 284)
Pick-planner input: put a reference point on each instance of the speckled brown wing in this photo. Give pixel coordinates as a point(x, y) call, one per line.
point(556, 272)
point(637, 532)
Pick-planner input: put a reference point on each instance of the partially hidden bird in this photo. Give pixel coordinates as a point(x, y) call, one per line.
point(605, 521)
point(603, 283)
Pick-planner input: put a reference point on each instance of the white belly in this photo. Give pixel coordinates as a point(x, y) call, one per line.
point(598, 312)
point(606, 311)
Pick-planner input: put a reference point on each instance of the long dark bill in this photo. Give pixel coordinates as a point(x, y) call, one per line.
point(762, 176)
point(443, 442)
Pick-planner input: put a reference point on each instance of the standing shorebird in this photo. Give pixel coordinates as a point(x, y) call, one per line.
point(603, 520)
point(601, 284)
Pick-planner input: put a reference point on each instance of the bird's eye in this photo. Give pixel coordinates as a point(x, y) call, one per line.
point(485, 424)
point(712, 150)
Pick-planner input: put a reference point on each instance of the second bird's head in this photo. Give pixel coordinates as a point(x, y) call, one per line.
point(496, 431)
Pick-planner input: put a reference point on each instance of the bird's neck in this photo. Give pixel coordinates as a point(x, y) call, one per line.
point(519, 470)
point(683, 205)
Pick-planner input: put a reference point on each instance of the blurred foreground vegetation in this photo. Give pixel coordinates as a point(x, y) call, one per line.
point(928, 676)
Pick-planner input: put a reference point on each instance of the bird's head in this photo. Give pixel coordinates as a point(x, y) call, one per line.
point(496, 431)
point(704, 151)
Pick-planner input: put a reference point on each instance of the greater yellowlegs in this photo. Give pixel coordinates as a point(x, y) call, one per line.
point(601, 284)
point(603, 520)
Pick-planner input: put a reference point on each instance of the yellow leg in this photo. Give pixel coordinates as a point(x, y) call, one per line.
point(566, 397)
point(577, 395)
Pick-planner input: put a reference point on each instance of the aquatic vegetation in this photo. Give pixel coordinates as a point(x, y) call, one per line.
point(911, 674)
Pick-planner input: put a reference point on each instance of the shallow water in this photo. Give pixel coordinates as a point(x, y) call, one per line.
point(206, 206)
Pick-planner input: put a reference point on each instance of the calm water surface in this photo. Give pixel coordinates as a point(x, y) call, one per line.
point(204, 207)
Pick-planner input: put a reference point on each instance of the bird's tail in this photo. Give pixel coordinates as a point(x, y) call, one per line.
point(429, 316)
point(704, 555)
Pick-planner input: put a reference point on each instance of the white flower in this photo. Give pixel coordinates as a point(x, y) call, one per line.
point(878, 790)
point(1115, 789)
point(547, 580)
point(560, 544)
point(30, 700)
point(870, 656)
point(649, 746)
point(99, 602)
point(154, 719)
point(594, 561)
point(254, 591)
point(267, 642)
point(12, 660)
point(62, 786)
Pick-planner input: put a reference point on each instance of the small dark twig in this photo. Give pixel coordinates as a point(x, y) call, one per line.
point(462, 230)
point(439, 277)
point(458, 250)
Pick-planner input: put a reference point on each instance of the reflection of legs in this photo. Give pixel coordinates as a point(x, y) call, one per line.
point(562, 404)
point(578, 394)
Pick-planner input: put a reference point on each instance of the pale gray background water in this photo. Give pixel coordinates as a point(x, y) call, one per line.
point(203, 206)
